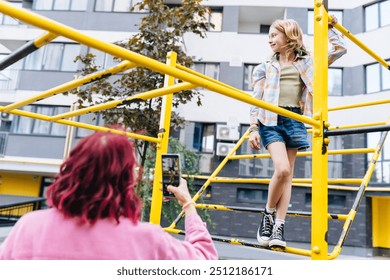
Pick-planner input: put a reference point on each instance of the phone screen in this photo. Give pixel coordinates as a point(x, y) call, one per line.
point(170, 172)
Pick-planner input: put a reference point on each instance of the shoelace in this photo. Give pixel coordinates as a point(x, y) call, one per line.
point(278, 232)
point(267, 223)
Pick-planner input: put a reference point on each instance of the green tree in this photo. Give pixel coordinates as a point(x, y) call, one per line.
point(160, 32)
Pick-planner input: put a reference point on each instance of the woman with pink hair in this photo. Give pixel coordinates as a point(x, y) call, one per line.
point(95, 212)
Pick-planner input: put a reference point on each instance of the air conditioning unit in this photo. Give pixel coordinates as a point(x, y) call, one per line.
point(205, 161)
point(4, 116)
point(224, 148)
point(225, 132)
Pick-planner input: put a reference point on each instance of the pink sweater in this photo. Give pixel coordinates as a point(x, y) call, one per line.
point(46, 234)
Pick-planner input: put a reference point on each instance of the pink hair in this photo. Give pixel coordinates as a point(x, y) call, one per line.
point(97, 180)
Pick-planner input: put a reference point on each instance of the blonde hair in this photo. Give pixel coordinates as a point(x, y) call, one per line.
point(294, 35)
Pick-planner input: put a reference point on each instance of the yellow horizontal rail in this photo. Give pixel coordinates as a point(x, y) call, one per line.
point(356, 125)
point(69, 85)
point(352, 181)
point(141, 60)
point(358, 105)
point(83, 125)
point(235, 241)
point(111, 104)
point(308, 153)
point(186, 69)
point(219, 207)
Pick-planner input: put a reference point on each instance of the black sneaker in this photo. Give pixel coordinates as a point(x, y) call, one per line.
point(277, 238)
point(265, 229)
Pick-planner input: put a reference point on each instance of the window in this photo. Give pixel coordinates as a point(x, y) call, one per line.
point(376, 15)
point(248, 71)
point(6, 20)
point(24, 125)
point(264, 28)
point(204, 137)
point(53, 57)
point(262, 167)
point(377, 78)
point(208, 69)
point(117, 6)
point(251, 195)
point(215, 18)
point(103, 59)
point(335, 81)
point(310, 19)
point(89, 119)
point(9, 76)
point(61, 5)
point(381, 174)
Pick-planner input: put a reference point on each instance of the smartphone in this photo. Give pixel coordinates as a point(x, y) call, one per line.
point(170, 172)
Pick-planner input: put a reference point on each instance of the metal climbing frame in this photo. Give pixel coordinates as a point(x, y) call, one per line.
point(320, 132)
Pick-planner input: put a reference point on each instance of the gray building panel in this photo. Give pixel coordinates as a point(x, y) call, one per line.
point(353, 20)
point(230, 18)
point(300, 15)
point(35, 146)
point(353, 80)
point(233, 76)
point(42, 80)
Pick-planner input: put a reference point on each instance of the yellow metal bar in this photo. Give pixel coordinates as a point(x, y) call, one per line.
point(111, 104)
point(70, 85)
point(364, 47)
point(45, 39)
point(83, 125)
point(347, 225)
point(26, 49)
point(267, 180)
point(210, 178)
point(141, 60)
point(295, 180)
point(308, 153)
point(235, 241)
point(218, 207)
point(358, 105)
point(162, 148)
point(357, 125)
point(319, 225)
point(181, 67)
point(308, 185)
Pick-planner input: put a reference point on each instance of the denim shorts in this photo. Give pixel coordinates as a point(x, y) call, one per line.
point(291, 132)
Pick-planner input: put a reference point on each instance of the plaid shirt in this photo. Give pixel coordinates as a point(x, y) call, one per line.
point(266, 77)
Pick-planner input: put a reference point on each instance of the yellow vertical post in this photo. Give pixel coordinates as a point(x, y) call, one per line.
point(319, 223)
point(162, 147)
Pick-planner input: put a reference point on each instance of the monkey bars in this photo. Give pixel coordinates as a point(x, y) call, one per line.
point(191, 79)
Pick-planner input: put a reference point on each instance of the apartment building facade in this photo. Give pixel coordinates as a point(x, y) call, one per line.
point(32, 149)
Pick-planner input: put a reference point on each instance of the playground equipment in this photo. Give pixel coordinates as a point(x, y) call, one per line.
point(320, 133)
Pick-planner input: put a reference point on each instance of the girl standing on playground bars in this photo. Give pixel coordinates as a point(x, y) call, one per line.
point(286, 80)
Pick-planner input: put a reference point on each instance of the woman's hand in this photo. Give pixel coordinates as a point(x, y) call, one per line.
point(254, 140)
point(333, 22)
point(183, 196)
